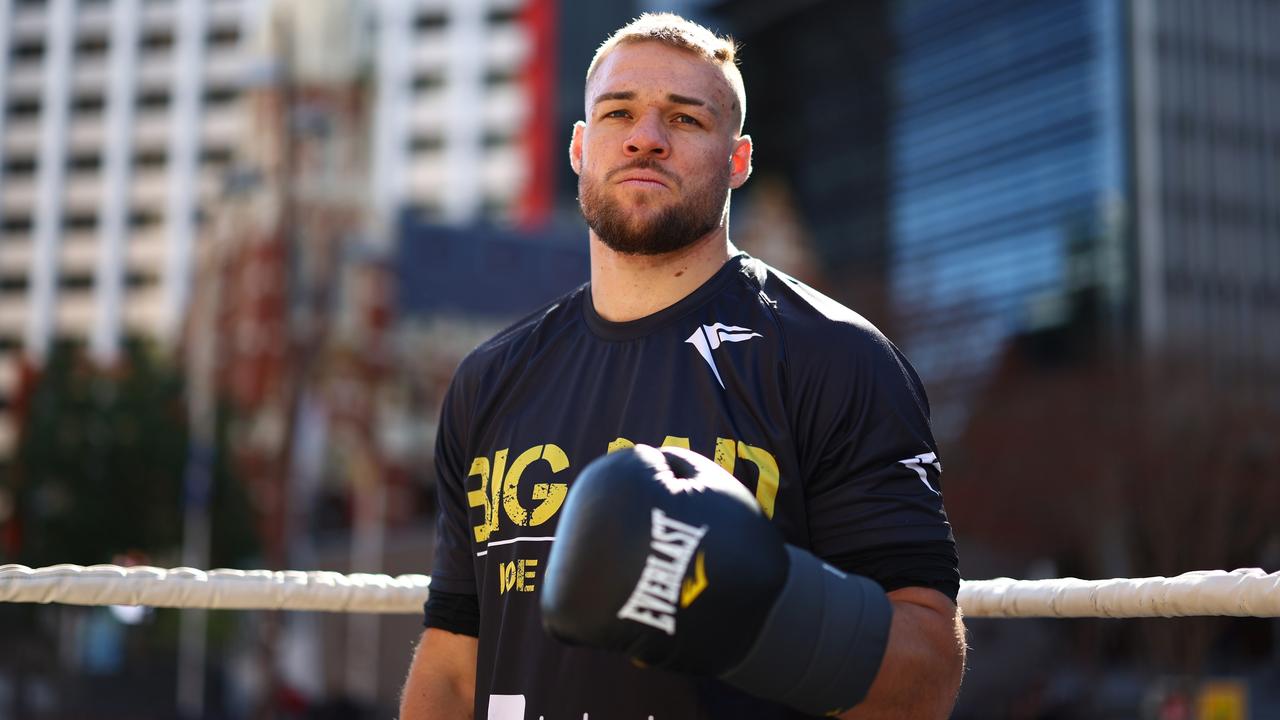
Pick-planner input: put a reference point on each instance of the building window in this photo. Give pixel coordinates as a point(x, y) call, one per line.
point(149, 159)
point(427, 81)
point(501, 76)
point(498, 16)
point(430, 21)
point(162, 40)
point(220, 96)
point(91, 105)
point(20, 165)
point(24, 108)
point(28, 50)
point(85, 162)
point(17, 224)
point(135, 279)
point(426, 144)
point(228, 35)
point(494, 140)
point(143, 218)
point(153, 99)
point(13, 284)
point(76, 281)
point(81, 221)
point(216, 155)
point(95, 46)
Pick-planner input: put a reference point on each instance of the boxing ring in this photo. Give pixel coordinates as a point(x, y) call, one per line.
point(1248, 592)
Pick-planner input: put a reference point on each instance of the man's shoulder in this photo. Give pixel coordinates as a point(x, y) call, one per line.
point(512, 344)
point(810, 321)
point(829, 344)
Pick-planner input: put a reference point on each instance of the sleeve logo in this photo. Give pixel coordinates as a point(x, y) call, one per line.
point(709, 337)
point(918, 464)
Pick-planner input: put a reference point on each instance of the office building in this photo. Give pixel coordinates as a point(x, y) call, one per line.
point(1014, 166)
point(1120, 154)
point(1008, 180)
point(120, 118)
point(116, 119)
point(1206, 127)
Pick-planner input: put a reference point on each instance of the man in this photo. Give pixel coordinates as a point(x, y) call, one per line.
point(678, 340)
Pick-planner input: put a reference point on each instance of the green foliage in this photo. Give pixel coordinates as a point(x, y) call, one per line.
point(99, 466)
point(98, 472)
point(234, 540)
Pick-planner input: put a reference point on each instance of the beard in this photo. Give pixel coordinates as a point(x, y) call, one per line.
point(655, 232)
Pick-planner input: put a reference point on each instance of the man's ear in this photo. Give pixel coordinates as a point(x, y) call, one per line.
point(740, 162)
point(575, 147)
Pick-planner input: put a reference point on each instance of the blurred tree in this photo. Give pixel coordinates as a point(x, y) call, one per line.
point(97, 478)
point(99, 465)
point(1114, 468)
point(99, 460)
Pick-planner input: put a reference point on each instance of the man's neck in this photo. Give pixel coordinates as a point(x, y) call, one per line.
point(629, 287)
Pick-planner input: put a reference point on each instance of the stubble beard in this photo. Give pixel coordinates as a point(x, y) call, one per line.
point(673, 228)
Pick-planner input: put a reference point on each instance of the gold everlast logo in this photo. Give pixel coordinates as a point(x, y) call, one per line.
point(693, 587)
point(672, 545)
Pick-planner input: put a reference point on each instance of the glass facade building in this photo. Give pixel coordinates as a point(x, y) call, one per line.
point(1008, 176)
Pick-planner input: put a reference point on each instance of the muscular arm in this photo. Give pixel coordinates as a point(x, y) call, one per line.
point(923, 663)
point(442, 678)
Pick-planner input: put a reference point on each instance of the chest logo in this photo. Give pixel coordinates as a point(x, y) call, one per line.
point(709, 337)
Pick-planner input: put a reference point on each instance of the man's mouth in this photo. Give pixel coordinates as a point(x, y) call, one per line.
point(642, 182)
point(642, 175)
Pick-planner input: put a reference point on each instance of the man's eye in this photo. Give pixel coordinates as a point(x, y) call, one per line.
point(616, 113)
point(687, 120)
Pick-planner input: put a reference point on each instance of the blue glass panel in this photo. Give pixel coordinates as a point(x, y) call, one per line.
point(1006, 141)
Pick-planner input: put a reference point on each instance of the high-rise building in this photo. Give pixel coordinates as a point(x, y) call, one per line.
point(364, 115)
point(1206, 153)
point(1008, 178)
point(120, 118)
point(116, 119)
point(1014, 167)
point(461, 86)
point(1054, 151)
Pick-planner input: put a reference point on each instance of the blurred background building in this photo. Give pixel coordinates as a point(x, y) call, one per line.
point(1018, 159)
point(291, 219)
point(118, 121)
point(121, 121)
point(1064, 213)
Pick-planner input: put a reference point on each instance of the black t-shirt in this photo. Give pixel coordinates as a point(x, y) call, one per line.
point(799, 397)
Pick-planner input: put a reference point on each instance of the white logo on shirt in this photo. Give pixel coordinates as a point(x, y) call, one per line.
point(506, 707)
point(709, 337)
point(918, 462)
point(511, 707)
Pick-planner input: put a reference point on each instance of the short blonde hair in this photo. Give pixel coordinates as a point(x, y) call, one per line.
point(677, 32)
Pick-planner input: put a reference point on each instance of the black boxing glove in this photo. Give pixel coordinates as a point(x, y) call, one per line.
point(662, 555)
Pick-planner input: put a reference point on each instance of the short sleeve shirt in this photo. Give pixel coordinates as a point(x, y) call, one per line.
point(800, 398)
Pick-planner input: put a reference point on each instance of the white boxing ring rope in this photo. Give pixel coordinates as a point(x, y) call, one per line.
point(1248, 592)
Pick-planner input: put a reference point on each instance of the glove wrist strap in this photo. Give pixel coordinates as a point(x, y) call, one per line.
point(822, 643)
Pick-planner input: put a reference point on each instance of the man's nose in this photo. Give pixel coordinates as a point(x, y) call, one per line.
point(648, 137)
